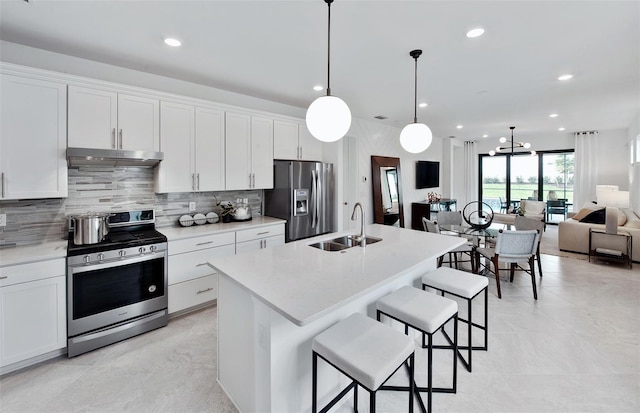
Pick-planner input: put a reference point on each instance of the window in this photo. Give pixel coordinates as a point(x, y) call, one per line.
point(506, 179)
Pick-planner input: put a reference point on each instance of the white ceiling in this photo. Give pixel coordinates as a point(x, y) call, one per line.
point(277, 50)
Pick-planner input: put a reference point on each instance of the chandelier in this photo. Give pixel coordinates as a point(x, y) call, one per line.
point(512, 146)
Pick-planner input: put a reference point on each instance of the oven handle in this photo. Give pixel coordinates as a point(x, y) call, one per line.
point(112, 330)
point(117, 263)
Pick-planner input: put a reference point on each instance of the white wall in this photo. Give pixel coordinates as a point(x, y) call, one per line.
point(375, 138)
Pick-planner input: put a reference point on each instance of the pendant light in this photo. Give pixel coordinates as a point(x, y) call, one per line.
point(415, 137)
point(513, 145)
point(328, 117)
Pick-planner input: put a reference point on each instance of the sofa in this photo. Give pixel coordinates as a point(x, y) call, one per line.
point(532, 209)
point(573, 235)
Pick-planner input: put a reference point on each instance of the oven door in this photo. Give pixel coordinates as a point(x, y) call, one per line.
point(109, 293)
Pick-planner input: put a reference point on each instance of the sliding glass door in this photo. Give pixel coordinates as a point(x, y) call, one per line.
point(546, 176)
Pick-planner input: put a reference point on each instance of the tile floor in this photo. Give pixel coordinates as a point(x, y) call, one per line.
point(577, 349)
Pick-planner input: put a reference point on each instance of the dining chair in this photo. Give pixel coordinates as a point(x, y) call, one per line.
point(513, 248)
point(503, 205)
point(523, 224)
point(469, 248)
point(557, 207)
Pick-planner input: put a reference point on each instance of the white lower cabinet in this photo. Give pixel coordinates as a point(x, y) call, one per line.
point(32, 310)
point(191, 281)
point(258, 238)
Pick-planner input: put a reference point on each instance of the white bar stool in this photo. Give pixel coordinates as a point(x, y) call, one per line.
point(426, 313)
point(366, 351)
point(467, 286)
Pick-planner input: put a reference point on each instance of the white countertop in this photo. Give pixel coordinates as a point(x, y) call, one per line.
point(58, 249)
point(303, 283)
point(33, 253)
point(176, 233)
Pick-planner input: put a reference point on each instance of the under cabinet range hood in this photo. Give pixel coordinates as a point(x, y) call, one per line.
point(112, 157)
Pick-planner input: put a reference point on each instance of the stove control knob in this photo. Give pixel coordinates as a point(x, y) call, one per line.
point(141, 250)
point(101, 257)
point(87, 258)
point(153, 248)
point(122, 253)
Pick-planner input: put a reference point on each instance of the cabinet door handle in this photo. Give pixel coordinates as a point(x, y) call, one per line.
point(201, 264)
point(120, 133)
point(204, 243)
point(205, 290)
point(262, 233)
point(253, 185)
point(115, 141)
point(198, 181)
point(2, 178)
point(193, 181)
point(300, 156)
point(4, 277)
point(249, 180)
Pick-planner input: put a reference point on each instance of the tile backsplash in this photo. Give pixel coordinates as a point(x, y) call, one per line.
point(101, 189)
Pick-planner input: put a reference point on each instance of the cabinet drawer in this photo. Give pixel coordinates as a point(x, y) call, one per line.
point(200, 243)
point(190, 265)
point(260, 232)
point(191, 293)
point(15, 274)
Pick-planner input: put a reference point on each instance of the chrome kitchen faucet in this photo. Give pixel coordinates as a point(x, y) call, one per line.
point(362, 238)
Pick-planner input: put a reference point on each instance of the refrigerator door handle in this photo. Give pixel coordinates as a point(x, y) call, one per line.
point(319, 197)
point(314, 199)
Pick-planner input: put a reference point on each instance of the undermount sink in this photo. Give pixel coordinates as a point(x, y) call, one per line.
point(350, 240)
point(342, 243)
point(328, 246)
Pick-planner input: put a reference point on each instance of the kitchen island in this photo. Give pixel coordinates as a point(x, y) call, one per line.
point(272, 302)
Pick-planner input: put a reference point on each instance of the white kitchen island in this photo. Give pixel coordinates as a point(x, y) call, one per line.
point(272, 302)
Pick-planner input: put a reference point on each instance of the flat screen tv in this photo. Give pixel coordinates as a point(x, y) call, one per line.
point(427, 174)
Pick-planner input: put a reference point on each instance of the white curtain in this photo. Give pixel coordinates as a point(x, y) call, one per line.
point(585, 175)
point(470, 173)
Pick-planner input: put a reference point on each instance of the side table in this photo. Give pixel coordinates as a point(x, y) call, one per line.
point(620, 250)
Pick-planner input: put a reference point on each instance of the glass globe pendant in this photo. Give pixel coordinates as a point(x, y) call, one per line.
point(328, 117)
point(415, 137)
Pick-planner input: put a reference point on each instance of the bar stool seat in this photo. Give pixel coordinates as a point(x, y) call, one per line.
point(467, 286)
point(366, 351)
point(427, 313)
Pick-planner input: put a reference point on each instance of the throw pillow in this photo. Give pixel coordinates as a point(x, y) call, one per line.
point(583, 213)
point(595, 217)
point(622, 218)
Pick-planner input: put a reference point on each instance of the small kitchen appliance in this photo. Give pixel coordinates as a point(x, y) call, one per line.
point(116, 288)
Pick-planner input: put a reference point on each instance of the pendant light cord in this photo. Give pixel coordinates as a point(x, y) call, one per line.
point(415, 94)
point(329, 47)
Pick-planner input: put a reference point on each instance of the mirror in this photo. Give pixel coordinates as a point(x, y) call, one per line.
point(387, 191)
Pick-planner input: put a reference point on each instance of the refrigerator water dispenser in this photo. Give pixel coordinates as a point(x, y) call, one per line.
point(300, 202)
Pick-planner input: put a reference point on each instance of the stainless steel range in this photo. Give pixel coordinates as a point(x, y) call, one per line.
point(117, 288)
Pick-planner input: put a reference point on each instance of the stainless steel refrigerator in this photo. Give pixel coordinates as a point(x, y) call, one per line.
point(302, 194)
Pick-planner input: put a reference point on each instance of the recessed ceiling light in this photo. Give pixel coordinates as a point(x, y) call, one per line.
point(423, 105)
point(459, 127)
point(565, 77)
point(478, 31)
point(170, 41)
point(318, 88)
point(553, 115)
point(485, 136)
point(560, 129)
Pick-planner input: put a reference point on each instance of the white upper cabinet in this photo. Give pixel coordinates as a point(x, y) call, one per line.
point(249, 151)
point(192, 140)
point(33, 124)
point(104, 119)
point(292, 140)
point(210, 152)
point(176, 172)
point(310, 147)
